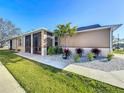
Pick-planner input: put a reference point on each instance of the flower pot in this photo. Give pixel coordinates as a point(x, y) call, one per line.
point(64, 57)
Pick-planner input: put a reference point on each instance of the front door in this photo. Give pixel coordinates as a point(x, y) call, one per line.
point(28, 43)
point(37, 43)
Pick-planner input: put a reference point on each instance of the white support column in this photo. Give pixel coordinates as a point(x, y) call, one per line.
point(23, 43)
point(42, 43)
point(53, 40)
point(7, 44)
point(31, 43)
point(16, 47)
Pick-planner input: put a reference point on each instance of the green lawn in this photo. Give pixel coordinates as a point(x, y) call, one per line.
point(118, 51)
point(39, 78)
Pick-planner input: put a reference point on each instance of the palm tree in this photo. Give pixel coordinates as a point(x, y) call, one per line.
point(59, 33)
point(65, 31)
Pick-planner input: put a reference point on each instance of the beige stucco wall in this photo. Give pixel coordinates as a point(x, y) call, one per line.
point(89, 39)
point(20, 47)
point(14, 43)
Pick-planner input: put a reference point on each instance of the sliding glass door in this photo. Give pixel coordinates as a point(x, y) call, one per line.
point(28, 43)
point(37, 43)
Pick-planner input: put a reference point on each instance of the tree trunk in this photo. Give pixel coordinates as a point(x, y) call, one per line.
point(59, 41)
point(65, 41)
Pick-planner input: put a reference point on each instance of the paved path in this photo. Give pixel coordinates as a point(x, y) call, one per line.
point(7, 83)
point(115, 78)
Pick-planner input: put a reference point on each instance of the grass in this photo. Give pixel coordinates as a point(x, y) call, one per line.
point(118, 51)
point(40, 78)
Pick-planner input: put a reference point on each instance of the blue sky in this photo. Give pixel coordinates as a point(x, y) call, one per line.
point(32, 14)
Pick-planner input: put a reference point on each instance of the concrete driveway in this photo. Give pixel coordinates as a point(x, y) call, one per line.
point(119, 56)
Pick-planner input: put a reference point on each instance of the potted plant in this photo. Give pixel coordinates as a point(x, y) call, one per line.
point(66, 53)
point(96, 52)
point(79, 51)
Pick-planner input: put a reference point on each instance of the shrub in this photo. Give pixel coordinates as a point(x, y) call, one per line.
point(51, 51)
point(90, 56)
point(77, 58)
point(58, 50)
point(54, 50)
point(109, 56)
point(79, 51)
point(96, 51)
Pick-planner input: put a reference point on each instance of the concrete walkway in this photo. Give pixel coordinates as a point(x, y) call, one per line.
point(57, 62)
point(7, 83)
point(115, 78)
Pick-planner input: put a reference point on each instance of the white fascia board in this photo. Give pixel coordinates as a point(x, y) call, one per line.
point(34, 31)
point(113, 27)
point(100, 28)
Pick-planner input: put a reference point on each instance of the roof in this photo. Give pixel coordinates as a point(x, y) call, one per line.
point(88, 27)
point(80, 29)
point(33, 31)
point(98, 27)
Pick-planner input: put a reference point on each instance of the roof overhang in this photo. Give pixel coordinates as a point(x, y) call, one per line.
point(32, 32)
point(112, 27)
point(35, 31)
point(115, 27)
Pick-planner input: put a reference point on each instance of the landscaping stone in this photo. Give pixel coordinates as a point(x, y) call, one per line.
point(115, 64)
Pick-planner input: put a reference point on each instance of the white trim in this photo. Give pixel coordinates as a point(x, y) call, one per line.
point(53, 40)
point(32, 32)
point(44, 51)
point(23, 42)
point(113, 27)
point(100, 28)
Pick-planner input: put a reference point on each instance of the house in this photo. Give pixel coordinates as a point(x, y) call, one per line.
point(93, 36)
point(88, 37)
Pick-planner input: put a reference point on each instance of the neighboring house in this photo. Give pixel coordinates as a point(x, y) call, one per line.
point(93, 36)
point(118, 43)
